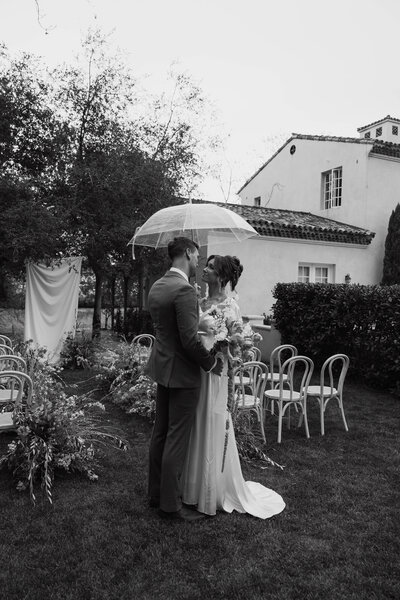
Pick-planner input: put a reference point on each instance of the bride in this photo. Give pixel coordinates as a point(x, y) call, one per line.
point(204, 482)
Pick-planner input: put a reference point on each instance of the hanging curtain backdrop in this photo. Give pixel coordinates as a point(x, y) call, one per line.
point(51, 304)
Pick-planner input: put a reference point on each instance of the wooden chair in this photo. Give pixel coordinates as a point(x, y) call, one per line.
point(143, 344)
point(9, 362)
point(333, 373)
point(249, 392)
point(21, 386)
point(276, 360)
point(6, 341)
point(295, 368)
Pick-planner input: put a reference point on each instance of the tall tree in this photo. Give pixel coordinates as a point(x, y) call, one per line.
point(391, 261)
point(32, 142)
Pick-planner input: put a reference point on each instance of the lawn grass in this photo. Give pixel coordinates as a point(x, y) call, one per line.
point(338, 537)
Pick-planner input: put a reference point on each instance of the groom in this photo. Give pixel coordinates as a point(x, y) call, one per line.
point(174, 364)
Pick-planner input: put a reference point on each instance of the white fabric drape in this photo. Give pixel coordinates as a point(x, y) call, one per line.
point(51, 304)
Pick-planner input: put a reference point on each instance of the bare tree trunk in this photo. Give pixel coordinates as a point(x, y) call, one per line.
point(98, 296)
point(126, 293)
point(112, 302)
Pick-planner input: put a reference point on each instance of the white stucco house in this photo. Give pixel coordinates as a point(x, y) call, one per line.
point(293, 246)
point(321, 205)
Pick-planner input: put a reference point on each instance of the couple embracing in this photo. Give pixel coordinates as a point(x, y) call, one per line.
point(194, 466)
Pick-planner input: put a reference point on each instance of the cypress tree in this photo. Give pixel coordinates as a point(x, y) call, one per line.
point(391, 261)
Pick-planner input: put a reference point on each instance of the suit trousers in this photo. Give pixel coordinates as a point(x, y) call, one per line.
point(175, 412)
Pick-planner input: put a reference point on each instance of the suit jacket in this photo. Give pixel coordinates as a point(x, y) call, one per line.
point(177, 353)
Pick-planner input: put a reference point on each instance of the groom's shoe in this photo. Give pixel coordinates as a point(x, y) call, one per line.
point(184, 514)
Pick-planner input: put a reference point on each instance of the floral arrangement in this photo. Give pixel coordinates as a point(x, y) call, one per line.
point(121, 373)
point(57, 432)
point(77, 352)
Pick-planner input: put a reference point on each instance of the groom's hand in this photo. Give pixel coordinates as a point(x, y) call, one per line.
point(217, 368)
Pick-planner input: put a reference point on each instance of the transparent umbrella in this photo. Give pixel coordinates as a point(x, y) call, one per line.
point(195, 221)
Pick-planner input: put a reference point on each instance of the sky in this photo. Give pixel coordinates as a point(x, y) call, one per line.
point(268, 67)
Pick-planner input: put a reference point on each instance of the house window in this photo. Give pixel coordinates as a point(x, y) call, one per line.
point(257, 201)
point(368, 134)
point(315, 273)
point(378, 131)
point(304, 274)
point(332, 188)
point(395, 130)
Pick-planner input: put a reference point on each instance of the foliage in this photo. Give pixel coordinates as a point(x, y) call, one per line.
point(358, 320)
point(391, 261)
point(122, 374)
point(249, 443)
point(57, 432)
point(77, 352)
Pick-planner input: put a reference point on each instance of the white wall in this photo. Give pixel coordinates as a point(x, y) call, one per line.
point(267, 261)
point(294, 181)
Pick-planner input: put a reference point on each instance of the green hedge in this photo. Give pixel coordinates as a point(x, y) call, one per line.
point(362, 321)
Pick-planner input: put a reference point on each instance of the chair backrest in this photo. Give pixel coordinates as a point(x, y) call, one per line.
point(254, 354)
point(257, 373)
point(145, 339)
point(21, 383)
point(4, 349)
point(280, 354)
point(299, 370)
point(334, 371)
point(5, 340)
point(11, 362)
point(143, 343)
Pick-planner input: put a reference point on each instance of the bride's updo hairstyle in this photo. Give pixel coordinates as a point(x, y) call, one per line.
point(228, 268)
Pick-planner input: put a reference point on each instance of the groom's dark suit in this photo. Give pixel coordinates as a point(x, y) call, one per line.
point(174, 364)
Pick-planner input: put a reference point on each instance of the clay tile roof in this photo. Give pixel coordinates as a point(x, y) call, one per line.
point(386, 149)
point(299, 225)
point(377, 122)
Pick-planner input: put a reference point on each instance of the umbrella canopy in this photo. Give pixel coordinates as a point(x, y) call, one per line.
point(195, 221)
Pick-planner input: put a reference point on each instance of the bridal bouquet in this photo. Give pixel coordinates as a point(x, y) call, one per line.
point(232, 337)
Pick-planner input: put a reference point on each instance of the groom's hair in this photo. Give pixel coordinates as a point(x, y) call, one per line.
point(178, 246)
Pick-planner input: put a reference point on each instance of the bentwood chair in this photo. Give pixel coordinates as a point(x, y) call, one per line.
point(21, 386)
point(277, 358)
point(333, 373)
point(6, 341)
point(249, 391)
point(297, 369)
point(143, 343)
point(9, 362)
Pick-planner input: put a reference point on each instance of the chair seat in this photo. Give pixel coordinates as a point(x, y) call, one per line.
point(7, 395)
point(245, 379)
point(6, 421)
point(275, 377)
point(248, 401)
point(276, 394)
point(315, 390)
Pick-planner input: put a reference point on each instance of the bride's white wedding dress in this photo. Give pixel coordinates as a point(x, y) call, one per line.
point(203, 482)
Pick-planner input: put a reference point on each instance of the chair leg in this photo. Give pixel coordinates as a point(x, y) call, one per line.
point(261, 419)
point(342, 411)
point(305, 419)
point(280, 424)
point(322, 414)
